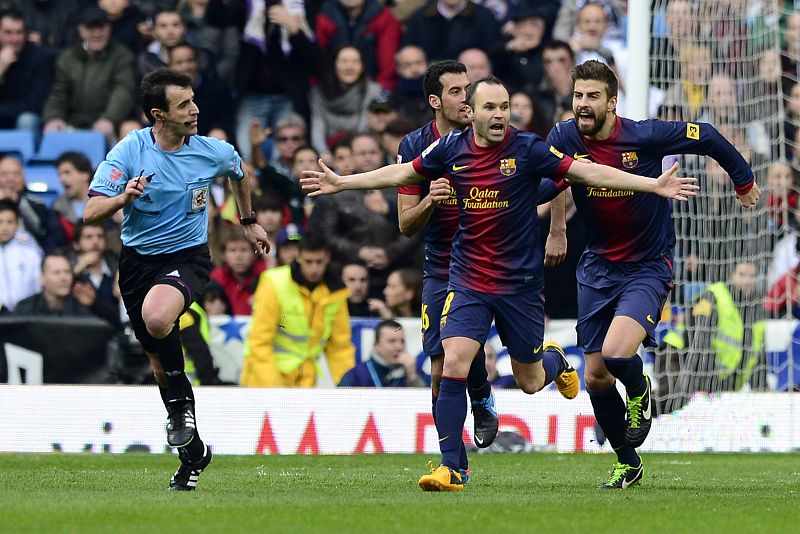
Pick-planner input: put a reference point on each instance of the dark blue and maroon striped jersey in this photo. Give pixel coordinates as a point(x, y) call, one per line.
point(443, 222)
point(496, 248)
point(627, 226)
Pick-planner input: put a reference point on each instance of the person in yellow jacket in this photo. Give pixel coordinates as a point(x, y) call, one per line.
point(721, 339)
point(299, 312)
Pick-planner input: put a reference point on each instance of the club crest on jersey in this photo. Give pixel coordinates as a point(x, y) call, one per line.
point(508, 166)
point(630, 160)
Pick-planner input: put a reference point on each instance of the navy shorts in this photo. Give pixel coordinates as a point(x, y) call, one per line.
point(607, 289)
point(434, 291)
point(186, 270)
point(519, 320)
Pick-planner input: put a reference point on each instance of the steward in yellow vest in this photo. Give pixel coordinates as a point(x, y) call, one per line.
point(299, 311)
point(195, 338)
point(724, 321)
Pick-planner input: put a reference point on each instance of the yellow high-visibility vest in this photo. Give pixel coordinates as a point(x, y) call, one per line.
point(291, 345)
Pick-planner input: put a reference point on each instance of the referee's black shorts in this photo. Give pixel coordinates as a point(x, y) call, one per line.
point(186, 270)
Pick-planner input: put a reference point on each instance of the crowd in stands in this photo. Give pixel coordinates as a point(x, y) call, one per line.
point(290, 81)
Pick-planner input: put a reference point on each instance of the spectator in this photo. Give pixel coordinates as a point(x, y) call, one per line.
point(213, 96)
point(94, 84)
point(91, 260)
point(367, 25)
point(725, 334)
point(721, 101)
point(393, 135)
point(168, 31)
point(214, 29)
point(409, 97)
point(127, 126)
point(592, 38)
point(125, 20)
point(402, 295)
point(20, 258)
point(291, 132)
point(239, 273)
point(299, 311)
point(215, 301)
point(682, 25)
point(389, 365)
point(445, 28)
point(555, 92)
point(26, 72)
point(569, 13)
point(380, 112)
point(277, 59)
point(477, 63)
point(356, 277)
point(51, 24)
point(340, 102)
point(521, 107)
point(783, 297)
point(63, 296)
point(305, 158)
point(343, 162)
point(367, 152)
point(496, 379)
point(287, 243)
point(780, 193)
point(690, 88)
point(75, 174)
point(786, 254)
point(522, 68)
point(34, 216)
point(269, 210)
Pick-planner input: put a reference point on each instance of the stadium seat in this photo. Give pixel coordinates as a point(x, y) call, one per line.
point(93, 144)
point(43, 179)
point(17, 142)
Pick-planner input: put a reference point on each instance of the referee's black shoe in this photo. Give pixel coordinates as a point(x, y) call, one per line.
point(187, 475)
point(180, 424)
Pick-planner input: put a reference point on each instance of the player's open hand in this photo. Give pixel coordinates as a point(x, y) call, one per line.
point(440, 191)
point(257, 236)
point(669, 185)
point(315, 183)
point(749, 199)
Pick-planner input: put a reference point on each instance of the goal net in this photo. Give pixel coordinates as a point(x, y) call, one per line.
point(721, 62)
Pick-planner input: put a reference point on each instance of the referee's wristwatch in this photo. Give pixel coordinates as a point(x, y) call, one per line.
point(247, 221)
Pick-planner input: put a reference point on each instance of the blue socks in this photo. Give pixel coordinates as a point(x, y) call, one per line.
point(451, 412)
point(629, 371)
point(609, 410)
point(463, 462)
point(478, 378)
point(553, 365)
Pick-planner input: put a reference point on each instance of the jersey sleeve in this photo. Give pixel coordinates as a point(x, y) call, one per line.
point(703, 139)
point(113, 173)
point(406, 153)
point(548, 190)
point(230, 163)
point(547, 160)
point(432, 163)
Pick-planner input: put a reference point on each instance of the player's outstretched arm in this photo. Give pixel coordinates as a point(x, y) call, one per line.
point(327, 182)
point(668, 185)
point(749, 199)
point(100, 208)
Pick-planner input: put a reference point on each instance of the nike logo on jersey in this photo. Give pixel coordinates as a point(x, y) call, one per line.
point(650, 319)
point(457, 168)
point(580, 156)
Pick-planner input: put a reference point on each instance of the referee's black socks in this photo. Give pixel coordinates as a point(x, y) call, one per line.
point(170, 352)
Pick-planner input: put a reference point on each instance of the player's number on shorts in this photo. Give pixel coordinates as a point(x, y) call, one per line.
point(447, 301)
point(426, 322)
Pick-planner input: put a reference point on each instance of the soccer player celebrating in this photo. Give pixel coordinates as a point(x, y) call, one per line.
point(496, 267)
point(625, 273)
point(431, 205)
point(160, 178)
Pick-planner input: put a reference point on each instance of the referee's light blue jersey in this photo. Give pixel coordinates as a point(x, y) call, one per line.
point(171, 214)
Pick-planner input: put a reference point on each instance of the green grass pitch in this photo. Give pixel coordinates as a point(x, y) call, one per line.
point(516, 493)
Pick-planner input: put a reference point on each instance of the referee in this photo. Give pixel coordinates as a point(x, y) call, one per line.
point(160, 177)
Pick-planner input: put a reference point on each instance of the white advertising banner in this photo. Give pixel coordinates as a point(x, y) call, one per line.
point(119, 419)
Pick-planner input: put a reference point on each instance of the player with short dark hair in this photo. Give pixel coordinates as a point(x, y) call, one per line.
point(625, 274)
point(160, 177)
point(496, 267)
point(430, 205)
